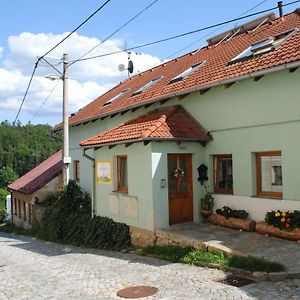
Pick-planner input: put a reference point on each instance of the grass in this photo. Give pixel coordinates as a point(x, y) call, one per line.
point(202, 258)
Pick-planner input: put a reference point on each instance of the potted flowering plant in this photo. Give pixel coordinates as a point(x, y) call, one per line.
point(284, 220)
point(206, 203)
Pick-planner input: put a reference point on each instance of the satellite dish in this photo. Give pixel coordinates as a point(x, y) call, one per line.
point(121, 67)
point(130, 66)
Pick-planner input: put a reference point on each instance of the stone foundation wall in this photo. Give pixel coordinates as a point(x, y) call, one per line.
point(142, 237)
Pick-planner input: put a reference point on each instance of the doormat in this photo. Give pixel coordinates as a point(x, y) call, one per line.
point(137, 292)
point(236, 281)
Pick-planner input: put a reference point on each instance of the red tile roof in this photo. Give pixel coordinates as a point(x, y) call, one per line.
point(172, 123)
point(39, 176)
point(214, 71)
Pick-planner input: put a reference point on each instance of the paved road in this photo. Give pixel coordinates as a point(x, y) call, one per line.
point(33, 269)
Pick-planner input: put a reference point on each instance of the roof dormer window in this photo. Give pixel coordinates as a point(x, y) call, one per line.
point(187, 72)
point(264, 46)
point(146, 86)
point(116, 97)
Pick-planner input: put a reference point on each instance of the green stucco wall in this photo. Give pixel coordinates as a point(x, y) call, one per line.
point(246, 118)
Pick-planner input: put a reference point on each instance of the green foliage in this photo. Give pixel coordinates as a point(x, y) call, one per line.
point(68, 220)
point(170, 252)
point(227, 212)
point(7, 176)
point(24, 147)
point(203, 258)
point(207, 202)
point(284, 220)
point(3, 194)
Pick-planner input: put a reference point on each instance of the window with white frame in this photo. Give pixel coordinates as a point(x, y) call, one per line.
point(269, 174)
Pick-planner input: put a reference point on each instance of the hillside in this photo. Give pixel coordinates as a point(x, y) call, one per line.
point(22, 148)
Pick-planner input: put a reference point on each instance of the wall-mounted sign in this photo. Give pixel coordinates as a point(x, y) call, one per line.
point(104, 171)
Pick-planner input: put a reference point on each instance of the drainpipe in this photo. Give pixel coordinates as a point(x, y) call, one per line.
point(93, 187)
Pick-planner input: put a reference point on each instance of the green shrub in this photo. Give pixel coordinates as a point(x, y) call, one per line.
point(3, 194)
point(227, 212)
point(67, 219)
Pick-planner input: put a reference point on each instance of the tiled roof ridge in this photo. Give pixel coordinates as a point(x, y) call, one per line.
point(162, 120)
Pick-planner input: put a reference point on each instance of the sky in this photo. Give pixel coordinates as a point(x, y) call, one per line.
point(30, 28)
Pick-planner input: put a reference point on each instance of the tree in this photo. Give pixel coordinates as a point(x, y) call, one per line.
point(7, 176)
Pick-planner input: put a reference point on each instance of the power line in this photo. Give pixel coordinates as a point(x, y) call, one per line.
point(211, 32)
point(26, 92)
point(116, 31)
point(73, 31)
point(42, 57)
point(185, 34)
point(45, 100)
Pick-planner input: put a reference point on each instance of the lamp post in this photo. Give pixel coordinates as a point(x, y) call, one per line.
point(66, 158)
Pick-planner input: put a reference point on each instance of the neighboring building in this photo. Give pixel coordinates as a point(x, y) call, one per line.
point(233, 106)
point(33, 188)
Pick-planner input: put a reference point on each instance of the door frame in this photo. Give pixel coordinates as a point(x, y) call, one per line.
point(190, 202)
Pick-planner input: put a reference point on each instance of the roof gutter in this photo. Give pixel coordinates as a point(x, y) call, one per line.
point(196, 89)
point(92, 159)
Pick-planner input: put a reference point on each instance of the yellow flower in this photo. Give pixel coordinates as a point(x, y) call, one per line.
point(283, 214)
point(282, 220)
point(222, 209)
point(277, 214)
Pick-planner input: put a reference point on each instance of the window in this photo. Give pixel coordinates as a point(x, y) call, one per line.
point(116, 97)
point(222, 165)
point(76, 174)
point(122, 177)
point(24, 210)
point(19, 208)
point(187, 72)
point(15, 206)
point(29, 213)
point(269, 174)
point(265, 45)
point(146, 86)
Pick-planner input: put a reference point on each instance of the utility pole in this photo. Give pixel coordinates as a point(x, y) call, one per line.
point(66, 157)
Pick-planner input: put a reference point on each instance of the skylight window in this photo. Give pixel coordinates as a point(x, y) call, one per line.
point(265, 45)
point(146, 86)
point(116, 97)
point(187, 72)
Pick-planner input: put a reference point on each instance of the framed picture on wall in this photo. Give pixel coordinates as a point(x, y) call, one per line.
point(104, 171)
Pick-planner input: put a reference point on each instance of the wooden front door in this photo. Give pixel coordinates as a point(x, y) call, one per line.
point(180, 188)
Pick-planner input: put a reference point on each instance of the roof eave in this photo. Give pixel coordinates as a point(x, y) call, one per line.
point(199, 140)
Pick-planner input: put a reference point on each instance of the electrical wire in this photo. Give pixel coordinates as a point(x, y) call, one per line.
point(73, 31)
point(211, 32)
point(44, 102)
point(116, 31)
point(185, 34)
point(55, 46)
point(26, 92)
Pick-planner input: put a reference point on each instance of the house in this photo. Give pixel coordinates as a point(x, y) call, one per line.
point(232, 106)
point(33, 187)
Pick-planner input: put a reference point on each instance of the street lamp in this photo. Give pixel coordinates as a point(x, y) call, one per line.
point(66, 157)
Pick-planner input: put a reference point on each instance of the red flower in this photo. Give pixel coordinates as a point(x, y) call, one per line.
point(287, 225)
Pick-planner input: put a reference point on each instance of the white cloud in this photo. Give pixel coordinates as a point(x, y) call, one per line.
point(88, 79)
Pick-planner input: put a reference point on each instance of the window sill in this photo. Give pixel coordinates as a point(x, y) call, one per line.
point(266, 197)
point(120, 192)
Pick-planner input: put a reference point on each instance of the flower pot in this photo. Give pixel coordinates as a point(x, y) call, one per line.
point(264, 228)
point(235, 223)
point(205, 213)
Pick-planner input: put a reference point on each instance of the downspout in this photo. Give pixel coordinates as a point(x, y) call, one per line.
point(94, 179)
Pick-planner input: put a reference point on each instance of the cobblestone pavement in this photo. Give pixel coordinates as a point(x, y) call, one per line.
point(34, 269)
